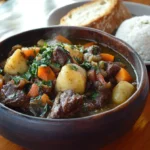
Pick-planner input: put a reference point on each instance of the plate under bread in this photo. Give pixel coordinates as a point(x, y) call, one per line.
point(136, 9)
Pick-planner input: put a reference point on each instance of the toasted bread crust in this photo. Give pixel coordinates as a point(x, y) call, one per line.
point(107, 21)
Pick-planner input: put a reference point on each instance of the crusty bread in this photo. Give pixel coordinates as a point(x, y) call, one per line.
point(105, 15)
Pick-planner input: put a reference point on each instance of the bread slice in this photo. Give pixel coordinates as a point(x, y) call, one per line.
point(105, 15)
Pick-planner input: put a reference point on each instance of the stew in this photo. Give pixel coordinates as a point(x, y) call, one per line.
point(64, 78)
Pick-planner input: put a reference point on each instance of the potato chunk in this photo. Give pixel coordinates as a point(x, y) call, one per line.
point(74, 53)
point(16, 63)
point(122, 91)
point(71, 77)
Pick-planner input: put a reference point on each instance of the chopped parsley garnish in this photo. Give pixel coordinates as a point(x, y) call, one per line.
point(55, 65)
point(17, 79)
point(78, 60)
point(72, 67)
point(95, 50)
point(86, 65)
point(1, 71)
point(38, 108)
point(42, 50)
point(45, 44)
point(94, 95)
point(33, 99)
point(46, 109)
point(27, 75)
point(33, 69)
point(48, 83)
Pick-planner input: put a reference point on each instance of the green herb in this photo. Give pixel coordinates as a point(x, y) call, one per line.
point(35, 99)
point(48, 83)
point(27, 75)
point(86, 65)
point(69, 61)
point(95, 48)
point(45, 110)
point(72, 67)
point(56, 65)
point(78, 60)
point(65, 51)
point(59, 44)
point(72, 46)
point(47, 54)
point(42, 50)
point(33, 69)
point(94, 95)
point(1, 71)
point(37, 107)
point(96, 68)
point(17, 79)
point(45, 44)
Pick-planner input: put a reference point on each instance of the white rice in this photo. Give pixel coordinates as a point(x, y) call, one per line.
point(136, 32)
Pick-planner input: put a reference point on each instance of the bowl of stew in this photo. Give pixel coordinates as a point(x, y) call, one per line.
point(69, 87)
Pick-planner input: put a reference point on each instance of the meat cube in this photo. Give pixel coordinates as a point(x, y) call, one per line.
point(66, 104)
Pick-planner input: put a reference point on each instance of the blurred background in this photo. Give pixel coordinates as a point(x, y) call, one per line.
point(21, 15)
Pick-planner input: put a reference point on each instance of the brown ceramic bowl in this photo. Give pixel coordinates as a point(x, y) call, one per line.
point(89, 132)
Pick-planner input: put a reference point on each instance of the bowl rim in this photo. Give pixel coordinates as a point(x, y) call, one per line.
point(97, 115)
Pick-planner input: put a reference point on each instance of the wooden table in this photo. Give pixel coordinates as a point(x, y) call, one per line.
point(136, 139)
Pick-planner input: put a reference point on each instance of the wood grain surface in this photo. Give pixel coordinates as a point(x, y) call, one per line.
point(138, 138)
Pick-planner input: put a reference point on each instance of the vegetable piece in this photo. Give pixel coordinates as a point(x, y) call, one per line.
point(34, 90)
point(45, 73)
point(1, 81)
point(89, 44)
point(16, 63)
point(107, 57)
point(45, 99)
point(122, 91)
point(41, 42)
point(100, 78)
point(30, 52)
point(74, 53)
point(71, 77)
point(22, 83)
point(62, 39)
point(123, 75)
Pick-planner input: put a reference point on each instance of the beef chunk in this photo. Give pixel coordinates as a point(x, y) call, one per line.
point(60, 55)
point(98, 100)
point(13, 97)
point(102, 98)
point(66, 104)
point(112, 69)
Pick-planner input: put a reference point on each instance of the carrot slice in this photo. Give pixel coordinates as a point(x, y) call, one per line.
point(30, 52)
point(107, 57)
point(62, 39)
point(34, 90)
point(46, 73)
point(123, 75)
point(1, 81)
point(89, 44)
point(46, 100)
